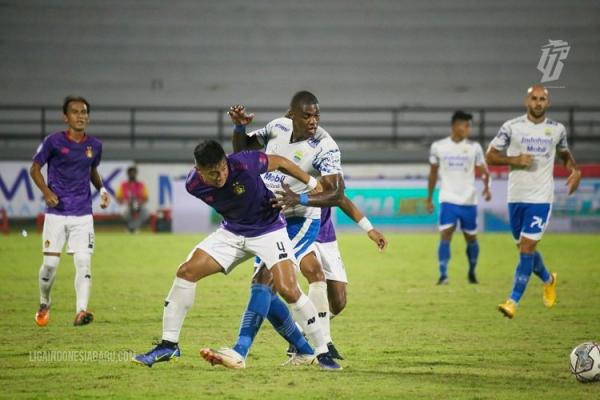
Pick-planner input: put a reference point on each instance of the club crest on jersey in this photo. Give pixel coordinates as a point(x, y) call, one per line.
point(88, 152)
point(238, 189)
point(298, 156)
point(547, 131)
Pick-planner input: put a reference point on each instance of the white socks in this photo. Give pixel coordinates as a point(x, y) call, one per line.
point(83, 279)
point(317, 293)
point(305, 314)
point(178, 302)
point(46, 277)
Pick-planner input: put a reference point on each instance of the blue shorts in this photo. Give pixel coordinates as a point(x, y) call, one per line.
point(529, 219)
point(302, 232)
point(452, 214)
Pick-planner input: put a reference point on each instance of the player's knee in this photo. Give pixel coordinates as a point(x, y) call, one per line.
point(187, 272)
point(83, 262)
point(290, 293)
point(50, 262)
point(337, 300)
point(263, 277)
point(313, 272)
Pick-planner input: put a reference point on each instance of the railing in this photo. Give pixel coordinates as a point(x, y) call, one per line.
point(353, 127)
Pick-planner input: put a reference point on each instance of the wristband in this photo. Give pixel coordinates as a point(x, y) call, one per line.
point(312, 183)
point(365, 224)
point(240, 129)
point(303, 199)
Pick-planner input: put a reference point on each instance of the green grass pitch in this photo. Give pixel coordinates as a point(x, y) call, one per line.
point(402, 336)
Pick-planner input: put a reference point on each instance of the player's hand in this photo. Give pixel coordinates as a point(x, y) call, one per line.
point(239, 116)
point(573, 181)
point(487, 195)
point(523, 160)
point(51, 198)
point(429, 206)
point(285, 198)
point(378, 238)
point(104, 199)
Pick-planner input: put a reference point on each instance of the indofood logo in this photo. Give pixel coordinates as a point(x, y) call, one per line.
point(551, 62)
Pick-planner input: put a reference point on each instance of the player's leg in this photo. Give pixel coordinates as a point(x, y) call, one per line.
point(468, 224)
point(330, 258)
point(53, 241)
point(217, 253)
point(448, 218)
point(80, 243)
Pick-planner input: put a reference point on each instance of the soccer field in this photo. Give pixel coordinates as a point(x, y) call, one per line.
point(402, 336)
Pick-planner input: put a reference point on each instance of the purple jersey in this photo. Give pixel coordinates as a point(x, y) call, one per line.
point(69, 171)
point(244, 201)
point(327, 231)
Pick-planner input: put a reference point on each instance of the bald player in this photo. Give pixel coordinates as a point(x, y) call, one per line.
point(528, 145)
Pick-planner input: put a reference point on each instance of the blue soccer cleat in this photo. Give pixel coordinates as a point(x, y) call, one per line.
point(160, 353)
point(327, 362)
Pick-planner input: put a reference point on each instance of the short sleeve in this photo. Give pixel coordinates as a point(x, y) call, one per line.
point(434, 157)
point(328, 161)
point(502, 139)
point(562, 140)
point(44, 151)
point(479, 158)
point(263, 135)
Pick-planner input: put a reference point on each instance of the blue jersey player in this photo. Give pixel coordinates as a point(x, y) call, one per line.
point(528, 145)
point(251, 227)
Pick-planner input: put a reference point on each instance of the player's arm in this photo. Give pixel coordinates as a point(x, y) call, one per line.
point(240, 140)
point(50, 197)
point(96, 180)
point(431, 181)
point(484, 172)
point(575, 173)
point(331, 196)
point(495, 157)
point(352, 211)
point(289, 168)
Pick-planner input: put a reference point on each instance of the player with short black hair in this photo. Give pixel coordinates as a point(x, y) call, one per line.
point(72, 157)
point(455, 159)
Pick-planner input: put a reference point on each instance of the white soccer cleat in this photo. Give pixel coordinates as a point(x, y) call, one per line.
point(225, 356)
point(301, 359)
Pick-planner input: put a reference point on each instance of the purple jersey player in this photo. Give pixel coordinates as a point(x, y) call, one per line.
point(72, 158)
point(251, 227)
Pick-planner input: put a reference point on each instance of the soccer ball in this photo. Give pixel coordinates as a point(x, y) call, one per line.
point(585, 362)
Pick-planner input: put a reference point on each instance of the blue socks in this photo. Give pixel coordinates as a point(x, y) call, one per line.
point(540, 269)
point(444, 257)
point(279, 316)
point(472, 255)
point(522, 274)
point(256, 311)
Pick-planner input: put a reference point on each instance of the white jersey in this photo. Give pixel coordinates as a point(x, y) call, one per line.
point(534, 184)
point(457, 161)
point(317, 156)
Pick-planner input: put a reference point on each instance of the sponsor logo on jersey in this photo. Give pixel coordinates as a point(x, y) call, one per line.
point(88, 152)
point(65, 150)
point(536, 144)
point(313, 142)
point(238, 189)
point(282, 127)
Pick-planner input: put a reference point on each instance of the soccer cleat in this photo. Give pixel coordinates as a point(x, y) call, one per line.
point(334, 352)
point(300, 359)
point(83, 318)
point(327, 362)
point(291, 350)
point(508, 308)
point(225, 356)
point(42, 316)
point(442, 281)
point(473, 279)
point(160, 353)
point(550, 291)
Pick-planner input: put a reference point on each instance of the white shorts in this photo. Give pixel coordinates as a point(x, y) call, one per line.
point(77, 232)
point(229, 249)
point(330, 258)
